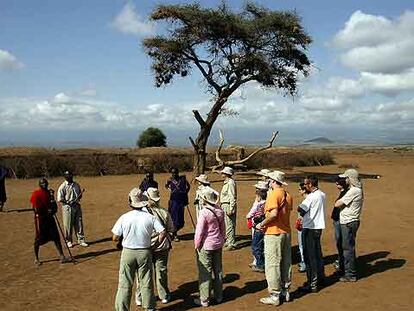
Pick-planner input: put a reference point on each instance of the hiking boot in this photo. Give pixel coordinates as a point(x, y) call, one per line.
point(201, 303)
point(271, 300)
point(347, 279)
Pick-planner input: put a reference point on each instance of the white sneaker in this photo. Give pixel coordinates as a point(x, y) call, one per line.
point(271, 300)
point(83, 243)
point(201, 303)
point(69, 244)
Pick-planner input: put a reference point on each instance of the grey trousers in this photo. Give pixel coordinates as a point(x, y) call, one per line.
point(312, 250)
point(230, 222)
point(72, 218)
point(210, 263)
point(278, 262)
point(338, 242)
point(349, 232)
point(135, 261)
point(160, 267)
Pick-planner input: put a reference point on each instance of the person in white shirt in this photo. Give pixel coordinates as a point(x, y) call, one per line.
point(135, 228)
point(312, 209)
point(69, 195)
point(349, 219)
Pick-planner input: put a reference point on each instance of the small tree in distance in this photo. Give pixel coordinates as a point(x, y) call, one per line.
point(152, 137)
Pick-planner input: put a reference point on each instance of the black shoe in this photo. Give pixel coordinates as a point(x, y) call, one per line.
point(347, 279)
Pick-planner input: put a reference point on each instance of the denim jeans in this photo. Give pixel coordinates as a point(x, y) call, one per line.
point(258, 248)
point(349, 232)
point(338, 240)
point(312, 251)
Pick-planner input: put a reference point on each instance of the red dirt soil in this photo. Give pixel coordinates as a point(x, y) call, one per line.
point(384, 246)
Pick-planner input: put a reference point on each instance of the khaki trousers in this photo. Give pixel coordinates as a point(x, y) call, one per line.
point(210, 263)
point(133, 261)
point(160, 267)
point(72, 218)
point(230, 222)
point(278, 262)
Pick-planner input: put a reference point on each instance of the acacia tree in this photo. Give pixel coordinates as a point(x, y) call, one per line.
point(229, 49)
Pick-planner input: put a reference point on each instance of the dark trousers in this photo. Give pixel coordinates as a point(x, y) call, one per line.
point(258, 248)
point(349, 232)
point(338, 240)
point(312, 251)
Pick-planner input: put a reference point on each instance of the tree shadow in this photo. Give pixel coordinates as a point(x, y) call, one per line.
point(186, 236)
point(330, 177)
point(243, 241)
point(100, 241)
point(18, 210)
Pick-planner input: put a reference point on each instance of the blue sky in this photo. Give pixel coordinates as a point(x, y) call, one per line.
point(74, 72)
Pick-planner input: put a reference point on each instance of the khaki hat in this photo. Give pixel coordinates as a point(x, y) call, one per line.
point(263, 172)
point(153, 194)
point(137, 198)
point(262, 185)
point(350, 173)
point(209, 195)
point(203, 179)
point(227, 170)
point(278, 176)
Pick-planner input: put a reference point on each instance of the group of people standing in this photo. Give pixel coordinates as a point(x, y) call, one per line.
point(271, 231)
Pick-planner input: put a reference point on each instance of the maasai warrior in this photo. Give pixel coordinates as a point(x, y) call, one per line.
point(179, 188)
point(3, 174)
point(69, 194)
point(148, 182)
point(45, 207)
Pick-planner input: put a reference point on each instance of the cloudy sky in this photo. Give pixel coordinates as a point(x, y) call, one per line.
point(74, 73)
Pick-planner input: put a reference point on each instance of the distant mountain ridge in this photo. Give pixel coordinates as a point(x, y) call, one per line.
point(320, 140)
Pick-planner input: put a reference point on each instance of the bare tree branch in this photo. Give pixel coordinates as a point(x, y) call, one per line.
point(199, 119)
point(192, 143)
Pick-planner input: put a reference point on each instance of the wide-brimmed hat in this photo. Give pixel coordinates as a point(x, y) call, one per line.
point(353, 176)
point(263, 172)
point(153, 194)
point(278, 176)
point(262, 185)
point(227, 170)
point(203, 179)
point(137, 198)
point(210, 195)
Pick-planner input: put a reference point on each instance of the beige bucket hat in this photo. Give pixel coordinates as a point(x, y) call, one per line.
point(203, 179)
point(228, 171)
point(278, 176)
point(153, 194)
point(137, 198)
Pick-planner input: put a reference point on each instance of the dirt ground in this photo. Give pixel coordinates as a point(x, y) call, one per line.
point(384, 246)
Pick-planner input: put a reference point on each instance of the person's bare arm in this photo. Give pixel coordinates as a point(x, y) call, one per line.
point(271, 217)
point(115, 238)
point(339, 204)
point(162, 236)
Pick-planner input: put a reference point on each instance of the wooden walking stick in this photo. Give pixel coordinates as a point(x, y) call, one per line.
point(191, 217)
point(64, 240)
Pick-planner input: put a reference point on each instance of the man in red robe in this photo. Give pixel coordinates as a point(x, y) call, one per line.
point(44, 207)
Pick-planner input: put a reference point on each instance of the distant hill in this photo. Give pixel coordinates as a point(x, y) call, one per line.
point(319, 140)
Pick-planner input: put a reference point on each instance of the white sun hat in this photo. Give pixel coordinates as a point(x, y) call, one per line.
point(137, 198)
point(263, 172)
point(227, 170)
point(153, 194)
point(209, 195)
point(262, 185)
point(203, 179)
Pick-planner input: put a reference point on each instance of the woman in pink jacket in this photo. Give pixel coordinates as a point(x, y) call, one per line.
point(209, 240)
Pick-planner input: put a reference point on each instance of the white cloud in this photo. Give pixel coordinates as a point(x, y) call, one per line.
point(8, 61)
point(128, 21)
point(388, 84)
point(377, 44)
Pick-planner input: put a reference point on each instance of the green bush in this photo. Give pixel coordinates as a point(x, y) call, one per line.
point(152, 137)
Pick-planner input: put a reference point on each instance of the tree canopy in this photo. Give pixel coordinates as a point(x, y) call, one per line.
point(151, 137)
point(229, 49)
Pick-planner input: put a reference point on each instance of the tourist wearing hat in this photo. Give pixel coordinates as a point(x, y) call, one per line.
point(202, 183)
point(263, 173)
point(228, 200)
point(135, 228)
point(312, 210)
point(277, 241)
point(179, 188)
point(160, 250)
point(208, 241)
point(349, 219)
point(255, 215)
point(69, 195)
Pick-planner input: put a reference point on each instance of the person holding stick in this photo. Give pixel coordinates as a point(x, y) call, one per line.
point(44, 207)
point(228, 200)
point(179, 188)
point(69, 194)
point(4, 172)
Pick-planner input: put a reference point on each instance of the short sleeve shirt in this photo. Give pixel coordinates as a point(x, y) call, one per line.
point(353, 201)
point(281, 200)
point(136, 228)
point(314, 206)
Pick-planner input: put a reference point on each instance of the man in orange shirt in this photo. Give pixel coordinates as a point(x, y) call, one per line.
point(277, 248)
